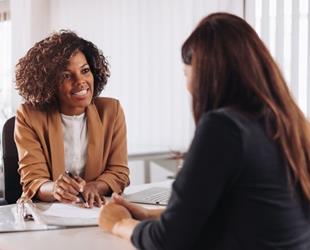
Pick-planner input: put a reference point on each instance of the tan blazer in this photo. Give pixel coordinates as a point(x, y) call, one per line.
point(40, 144)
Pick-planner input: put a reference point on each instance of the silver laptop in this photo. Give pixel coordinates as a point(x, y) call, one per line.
point(153, 196)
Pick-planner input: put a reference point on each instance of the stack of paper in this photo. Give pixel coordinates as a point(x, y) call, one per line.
point(64, 214)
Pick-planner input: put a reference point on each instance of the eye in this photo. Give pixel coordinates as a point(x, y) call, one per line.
point(66, 76)
point(85, 70)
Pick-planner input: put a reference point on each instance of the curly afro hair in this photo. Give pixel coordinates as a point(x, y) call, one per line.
point(39, 72)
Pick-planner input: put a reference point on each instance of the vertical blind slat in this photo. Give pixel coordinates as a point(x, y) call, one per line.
point(250, 12)
point(295, 48)
point(291, 51)
point(280, 33)
point(265, 21)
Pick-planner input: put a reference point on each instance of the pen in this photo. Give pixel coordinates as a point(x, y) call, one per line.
point(80, 195)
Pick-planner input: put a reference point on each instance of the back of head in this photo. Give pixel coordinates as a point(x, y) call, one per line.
point(232, 67)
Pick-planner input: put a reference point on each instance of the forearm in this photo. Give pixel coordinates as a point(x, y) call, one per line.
point(45, 192)
point(124, 228)
point(154, 213)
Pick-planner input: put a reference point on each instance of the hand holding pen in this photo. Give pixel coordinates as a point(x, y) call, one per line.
point(66, 189)
point(80, 194)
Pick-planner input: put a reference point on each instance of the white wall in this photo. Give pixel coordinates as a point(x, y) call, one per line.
point(30, 23)
point(142, 41)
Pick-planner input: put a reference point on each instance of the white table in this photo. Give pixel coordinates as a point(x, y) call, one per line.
point(76, 238)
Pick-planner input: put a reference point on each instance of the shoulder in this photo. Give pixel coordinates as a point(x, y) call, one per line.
point(30, 112)
point(31, 117)
point(107, 104)
point(228, 119)
point(225, 125)
point(109, 108)
point(107, 101)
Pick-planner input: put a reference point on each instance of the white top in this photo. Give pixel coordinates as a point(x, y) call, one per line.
point(75, 142)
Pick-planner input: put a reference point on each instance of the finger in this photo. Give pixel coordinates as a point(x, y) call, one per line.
point(81, 182)
point(58, 197)
point(86, 196)
point(136, 210)
point(72, 182)
point(91, 200)
point(65, 183)
point(98, 201)
point(119, 199)
point(68, 188)
point(61, 199)
point(66, 195)
point(59, 177)
point(59, 180)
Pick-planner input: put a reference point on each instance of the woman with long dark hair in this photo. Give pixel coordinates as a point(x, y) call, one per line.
point(245, 183)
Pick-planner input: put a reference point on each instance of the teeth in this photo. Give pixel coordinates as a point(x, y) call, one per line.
point(82, 92)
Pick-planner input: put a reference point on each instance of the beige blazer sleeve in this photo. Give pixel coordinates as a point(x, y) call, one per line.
point(33, 166)
point(116, 173)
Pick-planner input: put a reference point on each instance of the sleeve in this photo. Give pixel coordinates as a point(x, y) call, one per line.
point(33, 167)
point(212, 163)
point(116, 174)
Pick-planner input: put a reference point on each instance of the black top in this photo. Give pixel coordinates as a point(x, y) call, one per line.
point(233, 193)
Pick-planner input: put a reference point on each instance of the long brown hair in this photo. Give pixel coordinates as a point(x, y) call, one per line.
point(232, 67)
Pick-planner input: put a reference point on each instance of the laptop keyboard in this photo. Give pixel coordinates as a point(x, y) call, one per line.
point(154, 195)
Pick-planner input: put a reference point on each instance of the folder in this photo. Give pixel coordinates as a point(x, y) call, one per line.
point(12, 221)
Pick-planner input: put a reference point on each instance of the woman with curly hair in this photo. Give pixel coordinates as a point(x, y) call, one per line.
point(65, 127)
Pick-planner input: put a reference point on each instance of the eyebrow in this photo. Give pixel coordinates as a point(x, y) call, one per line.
point(84, 65)
point(67, 70)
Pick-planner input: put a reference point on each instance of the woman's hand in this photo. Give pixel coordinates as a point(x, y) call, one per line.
point(66, 189)
point(137, 212)
point(110, 214)
point(92, 194)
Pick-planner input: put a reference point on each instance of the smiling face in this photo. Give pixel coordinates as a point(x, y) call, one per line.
point(76, 91)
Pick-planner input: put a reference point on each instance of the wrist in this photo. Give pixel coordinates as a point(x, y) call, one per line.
point(46, 191)
point(102, 187)
point(125, 227)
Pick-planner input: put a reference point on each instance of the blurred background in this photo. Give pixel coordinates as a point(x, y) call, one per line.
point(142, 41)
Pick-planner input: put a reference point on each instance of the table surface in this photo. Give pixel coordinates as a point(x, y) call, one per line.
point(75, 238)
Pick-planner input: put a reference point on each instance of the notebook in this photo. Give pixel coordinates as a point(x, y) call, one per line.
point(152, 196)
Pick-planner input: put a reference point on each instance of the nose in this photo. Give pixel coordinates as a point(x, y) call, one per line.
point(80, 79)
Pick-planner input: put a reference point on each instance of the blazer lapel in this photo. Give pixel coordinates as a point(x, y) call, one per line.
point(55, 134)
point(95, 144)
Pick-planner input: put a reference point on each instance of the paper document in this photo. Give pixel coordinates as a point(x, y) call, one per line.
point(67, 215)
point(70, 211)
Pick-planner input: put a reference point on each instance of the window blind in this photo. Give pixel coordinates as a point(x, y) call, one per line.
point(284, 26)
